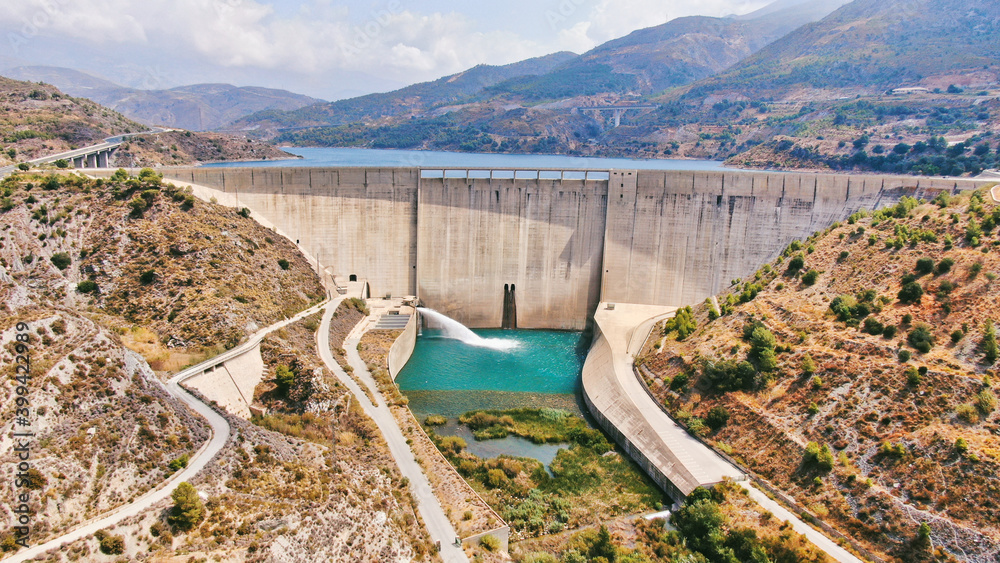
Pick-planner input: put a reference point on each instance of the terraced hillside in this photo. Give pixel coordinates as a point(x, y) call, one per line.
point(857, 373)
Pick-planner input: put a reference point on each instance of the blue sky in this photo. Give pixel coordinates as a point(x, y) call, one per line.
point(322, 48)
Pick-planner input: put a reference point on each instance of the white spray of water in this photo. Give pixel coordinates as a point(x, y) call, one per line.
point(450, 328)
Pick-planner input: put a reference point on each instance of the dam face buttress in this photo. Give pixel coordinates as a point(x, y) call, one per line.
point(667, 238)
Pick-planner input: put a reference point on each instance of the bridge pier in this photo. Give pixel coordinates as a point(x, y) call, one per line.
point(91, 161)
point(78, 162)
point(102, 159)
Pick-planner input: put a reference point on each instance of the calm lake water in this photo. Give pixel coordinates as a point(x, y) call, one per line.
point(332, 157)
point(448, 377)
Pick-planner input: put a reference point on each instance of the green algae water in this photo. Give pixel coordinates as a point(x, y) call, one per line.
point(449, 377)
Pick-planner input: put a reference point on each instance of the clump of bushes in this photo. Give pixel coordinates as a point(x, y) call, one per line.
point(819, 457)
point(683, 323)
point(920, 338)
point(110, 544)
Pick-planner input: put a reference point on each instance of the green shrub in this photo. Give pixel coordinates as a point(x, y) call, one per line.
point(957, 335)
point(924, 266)
point(821, 457)
point(61, 260)
point(179, 463)
point(920, 338)
point(283, 264)
point(86, 286)
point(913, 378)
point(717, 417)
point(810, 277)
point(147, 277)
point(961, 446)
point(808, 366)
point(910, 293)
point(944, 266)
point(904, 356)
point(873, 326)
point(796, 263)
point(989, 343)
point(489, 543)
point(889, 331)
point(682, 322)
point(110, 545)
point(188, 509)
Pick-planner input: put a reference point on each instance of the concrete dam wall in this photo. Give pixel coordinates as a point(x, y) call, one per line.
point(653, 237)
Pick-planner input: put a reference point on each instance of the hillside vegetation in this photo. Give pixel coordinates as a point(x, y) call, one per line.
point(110, 273)
point(857, 373)
point(38, 120)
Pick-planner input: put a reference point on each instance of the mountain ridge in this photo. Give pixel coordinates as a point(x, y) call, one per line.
point(195, 107)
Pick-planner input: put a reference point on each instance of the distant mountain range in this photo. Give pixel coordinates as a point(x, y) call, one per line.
point(869, 46)
point(642, 63)
point(411, 100)
point(199, 107)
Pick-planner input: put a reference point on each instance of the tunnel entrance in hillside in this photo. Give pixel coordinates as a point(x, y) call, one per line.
point(353, 277)
point(509, 307)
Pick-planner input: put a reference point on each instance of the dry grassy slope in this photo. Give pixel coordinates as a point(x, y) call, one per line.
point(862, 396)
point(178, 148)
point(216, 274)
point(279, 492)
point(106, 429)
point(38, 119)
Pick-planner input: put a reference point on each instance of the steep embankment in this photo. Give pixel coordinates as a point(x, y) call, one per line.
point(95, 267)
point(856, 374)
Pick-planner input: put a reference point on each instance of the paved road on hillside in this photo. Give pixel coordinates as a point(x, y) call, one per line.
point(435, 519)
point(220, 434)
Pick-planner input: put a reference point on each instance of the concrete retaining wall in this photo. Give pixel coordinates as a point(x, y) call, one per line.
point(402, 348)
point(232, 383)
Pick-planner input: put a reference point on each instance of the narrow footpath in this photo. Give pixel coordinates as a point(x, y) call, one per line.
point(430, 509)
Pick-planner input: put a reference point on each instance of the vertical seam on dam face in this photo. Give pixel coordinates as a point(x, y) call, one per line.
point(410, 235)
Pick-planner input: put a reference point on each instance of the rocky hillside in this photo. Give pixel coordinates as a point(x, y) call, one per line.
point(183, 148)
point(869, 46)
point(115, 278)
point(857, 373)
point(38, 120)
point(198, 107)
point(173, 274)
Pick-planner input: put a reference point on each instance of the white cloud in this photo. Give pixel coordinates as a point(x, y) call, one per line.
point(390, 39)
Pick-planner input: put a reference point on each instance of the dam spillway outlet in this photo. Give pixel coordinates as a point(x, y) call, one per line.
point(509, 307)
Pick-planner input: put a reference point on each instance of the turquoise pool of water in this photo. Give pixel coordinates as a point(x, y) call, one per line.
point(542, 362)
point(448, 377)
